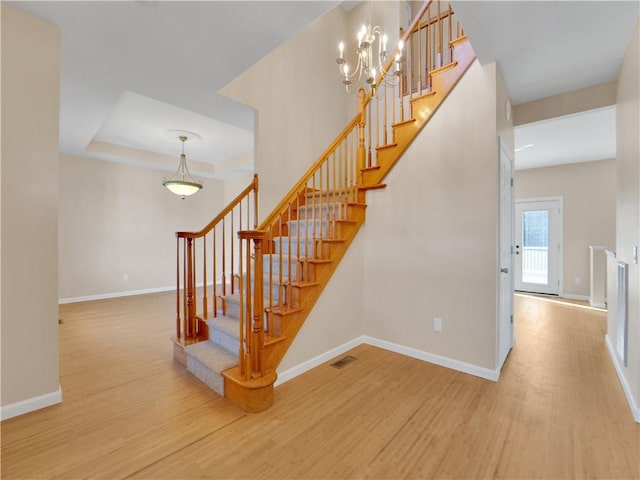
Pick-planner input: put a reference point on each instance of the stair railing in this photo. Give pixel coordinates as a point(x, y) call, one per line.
point(291, 238)
point(427, 47)
point(219, 273)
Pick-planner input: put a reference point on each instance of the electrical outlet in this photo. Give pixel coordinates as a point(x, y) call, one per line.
point(578, 280)
point(437, 324)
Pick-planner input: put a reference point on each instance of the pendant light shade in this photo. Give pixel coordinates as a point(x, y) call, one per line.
point(182, 183)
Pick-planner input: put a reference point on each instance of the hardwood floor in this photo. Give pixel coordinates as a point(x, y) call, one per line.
point(130, 411)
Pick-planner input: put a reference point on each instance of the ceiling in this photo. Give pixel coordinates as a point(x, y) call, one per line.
point(547, 48)
point(132, 70)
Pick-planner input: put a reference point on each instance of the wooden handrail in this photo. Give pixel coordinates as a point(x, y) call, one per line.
point(253, 186)
point(305, 178)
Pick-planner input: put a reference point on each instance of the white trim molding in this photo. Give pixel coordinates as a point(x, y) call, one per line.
point(633, 406)
point(317, 360)
point(103, 296)
point(127, 293)
point(571, 296)
point(446, 362)
point(31, 404)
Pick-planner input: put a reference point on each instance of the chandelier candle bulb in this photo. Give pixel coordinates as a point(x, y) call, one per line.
point(384, 44)
point(341, 48)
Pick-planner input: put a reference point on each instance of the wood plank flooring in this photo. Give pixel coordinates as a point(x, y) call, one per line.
point(130, 411)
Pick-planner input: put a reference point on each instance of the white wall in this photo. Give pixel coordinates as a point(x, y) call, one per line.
point(589, 193)
point(30, 105)
point(118, 220)
point(628, 211)
point(299, 102)
point(431, 236)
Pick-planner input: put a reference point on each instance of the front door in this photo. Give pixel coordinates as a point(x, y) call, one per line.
point(538, 245)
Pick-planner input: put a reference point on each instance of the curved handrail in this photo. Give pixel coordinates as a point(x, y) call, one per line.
point(252, 187)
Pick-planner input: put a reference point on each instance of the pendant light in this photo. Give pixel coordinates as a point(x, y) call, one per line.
point(182, 183)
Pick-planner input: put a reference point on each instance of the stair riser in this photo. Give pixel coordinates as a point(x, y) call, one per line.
point(209, 377)
point(283, 244)
point(306, 228)
point(222, 339)
point(274, 266)
point(309, 212)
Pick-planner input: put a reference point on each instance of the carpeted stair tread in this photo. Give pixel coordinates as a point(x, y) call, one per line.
point(213, 357)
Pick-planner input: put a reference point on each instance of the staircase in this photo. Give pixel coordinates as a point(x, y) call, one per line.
point(267, 278)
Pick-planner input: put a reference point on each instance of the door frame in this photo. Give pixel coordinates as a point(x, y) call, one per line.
point(506, 331)
point(560, 231)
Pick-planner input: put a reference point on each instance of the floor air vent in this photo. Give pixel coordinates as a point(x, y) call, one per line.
point(343, 361)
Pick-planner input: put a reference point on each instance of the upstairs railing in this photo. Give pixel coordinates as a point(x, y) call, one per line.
point(427, 48)
point(291, 238)
point(201, 286)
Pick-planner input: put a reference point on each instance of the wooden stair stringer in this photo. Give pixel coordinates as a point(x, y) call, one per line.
point(291, 322)
point(423, 108)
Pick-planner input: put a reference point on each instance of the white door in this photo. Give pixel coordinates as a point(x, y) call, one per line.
point(538, 245)
point(505, 327)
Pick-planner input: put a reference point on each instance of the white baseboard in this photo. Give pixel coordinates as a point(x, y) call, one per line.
point(317, 360)
point(571, 296)
point(127, 293)
point(457, 365)
point(633, 406)
point(597, 304)
point(31, 404)
point(103, 296)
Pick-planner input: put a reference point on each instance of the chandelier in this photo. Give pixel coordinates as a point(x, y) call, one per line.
point(182, 183)
point(366, 70)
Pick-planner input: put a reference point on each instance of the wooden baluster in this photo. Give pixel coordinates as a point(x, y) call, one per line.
point(419, 59)
point(384, 112)
point(313, 208)
point(305, 205)
point(299, 239)
point(343, 179)
point(374, 96)
point(320, 201)
point(178, 319)
point(215, 275)
point(289, 258)
point(255, 200)
point(361, 157)
point(410, 66)
point(369, 137)
point(282, 237)
point(325, 234)
point(231, 241)
point(429, 47)
point(241, 318)
point(224, 259)
point(271, 268)
point(334, 214)
point(450, 48)
point(205, 302)
point(439, 57)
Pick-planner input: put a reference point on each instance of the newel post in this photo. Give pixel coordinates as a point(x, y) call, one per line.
point(361, 154)
point(255, 319)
